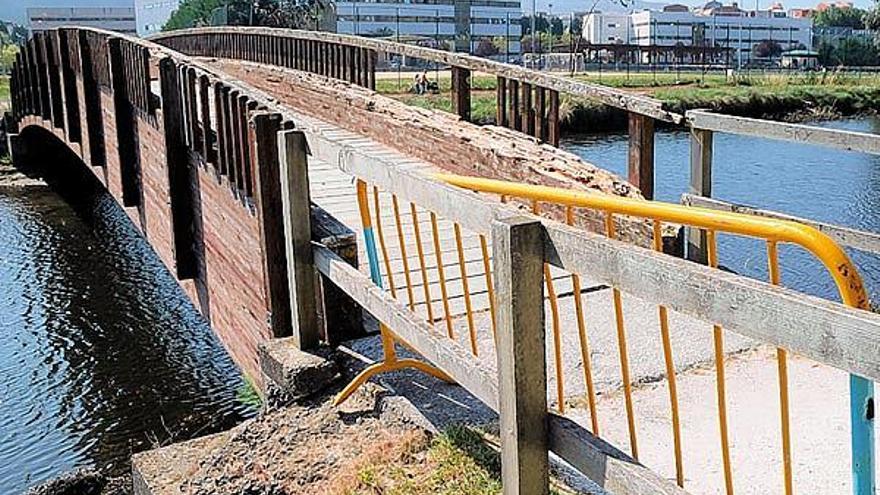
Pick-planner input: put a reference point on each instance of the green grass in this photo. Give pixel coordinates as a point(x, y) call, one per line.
point(247, 394)
point(772, 95)
point(459, 461)
point(4, 88)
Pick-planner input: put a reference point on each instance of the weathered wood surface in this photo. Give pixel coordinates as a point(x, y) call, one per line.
point(604, 464)
point(700, 184)
point(522, 361)
point(609, 96)
point(800, 133)
point(825, 331)
point(845, 236)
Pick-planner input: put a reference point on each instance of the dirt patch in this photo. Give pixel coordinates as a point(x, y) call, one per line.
point(306, 449)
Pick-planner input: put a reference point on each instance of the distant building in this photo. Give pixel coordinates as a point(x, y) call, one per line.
point(121, 19)
point(151, 15)
point(458, 24)
point(714, 25)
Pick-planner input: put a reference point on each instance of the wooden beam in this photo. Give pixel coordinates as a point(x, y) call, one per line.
point(182, 175)
point(501, 102)
point(824, 331)
point(845, 236)
point(641, 154)
point(461, 93)
point(700, 185)
point(296, 212)
point(127, 141)
point(799, 133)
point(92, 102)
point(555, 126)
point(518, 251)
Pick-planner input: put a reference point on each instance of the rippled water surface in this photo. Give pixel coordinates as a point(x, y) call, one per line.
point(100, 354)
point(840, 187)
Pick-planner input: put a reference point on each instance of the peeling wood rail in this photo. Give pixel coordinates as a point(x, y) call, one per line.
point(845, 236)
point(703, 125)
point(526, 100)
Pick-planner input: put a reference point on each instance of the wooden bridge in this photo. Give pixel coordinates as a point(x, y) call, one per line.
point(258, 163)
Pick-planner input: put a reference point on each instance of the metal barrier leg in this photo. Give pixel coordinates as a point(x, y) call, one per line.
point(389, 362)
point(861, 403)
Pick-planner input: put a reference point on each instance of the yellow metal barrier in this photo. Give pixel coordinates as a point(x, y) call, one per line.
point(772, 231)
point(845, 276)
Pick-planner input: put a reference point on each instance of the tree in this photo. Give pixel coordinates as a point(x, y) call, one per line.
point(850, 17)
point(7, 57)
point(273, 13)
point(485, 48)
point(766, 49)
point(872, 17)
point(556, 26)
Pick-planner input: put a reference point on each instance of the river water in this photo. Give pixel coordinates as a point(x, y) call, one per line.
point(839, 187)
point(101, 355)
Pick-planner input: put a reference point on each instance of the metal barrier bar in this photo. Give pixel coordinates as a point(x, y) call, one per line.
point(772, 231)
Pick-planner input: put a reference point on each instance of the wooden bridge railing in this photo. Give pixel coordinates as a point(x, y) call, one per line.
point(526, 100)
point(258, 151)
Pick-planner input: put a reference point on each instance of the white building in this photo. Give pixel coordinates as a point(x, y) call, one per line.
point(714, 25)
point(462, 24)
point(121, 19)
point(151, 15)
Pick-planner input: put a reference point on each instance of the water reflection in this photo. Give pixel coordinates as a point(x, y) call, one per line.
point(840, 187)
point(101, 354)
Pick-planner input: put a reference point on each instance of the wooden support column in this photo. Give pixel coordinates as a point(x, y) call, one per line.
point(263, 129)
point(525, 101)
point(461, 92)
point(127, 141)
point(182, 176)
point(71, 96)
point(518, 246)
point(553, 124)
point(641, 153)
point(92, 101)
point(220, 131)
point(292, 152)
point(206, 148)
point(513, 118)
point(700, 184)
point(540, 113)
point(501, 102)
point(371, 69)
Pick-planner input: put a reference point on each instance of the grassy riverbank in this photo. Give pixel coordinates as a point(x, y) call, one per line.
point(786, 97)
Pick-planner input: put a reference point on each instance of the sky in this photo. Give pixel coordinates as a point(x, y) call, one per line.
point(15, 9)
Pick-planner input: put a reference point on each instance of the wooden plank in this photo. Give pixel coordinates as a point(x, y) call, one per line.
point(461, 93)
point(127, 141)
point(825, 331)
point(206, 148)
point(522, 362)
point(799, 133)
point(73, 126)
point(554, 125)
point(540, 114)
point(527, 123)
point(640, 165)
point(263, 131)
point(296, 212)
point(845, 236)
point(700, 185)
point(182, 175)
point(92, 101)
point(501, 102)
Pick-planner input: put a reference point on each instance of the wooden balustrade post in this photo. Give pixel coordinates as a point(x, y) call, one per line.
point(540, 113)
point(183, 178)
point(501, 102)
point(525, 101)
point(554, 131)
point(127, 142)
point(700, 184)
point(641, 153)
point(518, 245)
point(92, 102)
point(513, 104)
point(266, 164)
point(73, 126)
point(461, 92)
